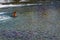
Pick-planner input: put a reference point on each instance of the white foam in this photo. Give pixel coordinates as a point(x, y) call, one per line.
point(4, 18)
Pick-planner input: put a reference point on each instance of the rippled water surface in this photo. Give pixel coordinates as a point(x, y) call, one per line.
point(31, 23)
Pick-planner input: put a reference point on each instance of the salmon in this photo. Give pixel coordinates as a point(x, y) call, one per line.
point(14, 14)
